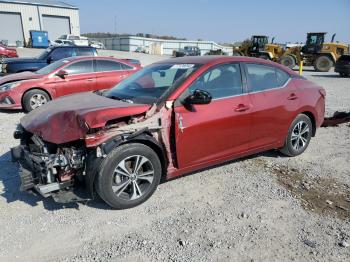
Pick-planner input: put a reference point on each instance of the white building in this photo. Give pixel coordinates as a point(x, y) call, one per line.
point(19, 17)
point(159, 46)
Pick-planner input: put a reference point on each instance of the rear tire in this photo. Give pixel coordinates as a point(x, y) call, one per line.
point(122, 183)
point(34, 98)
point(323, 64)
point(287, 61)
point(299, 136)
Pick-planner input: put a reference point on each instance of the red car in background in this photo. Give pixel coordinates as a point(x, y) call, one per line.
point(170, 118)
point(30, 90)
point(6, 52)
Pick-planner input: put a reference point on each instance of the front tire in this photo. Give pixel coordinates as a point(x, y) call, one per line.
point(323, 64)
point(299, 136)
point(287, 61)
point(34, 99)
point(128, 176)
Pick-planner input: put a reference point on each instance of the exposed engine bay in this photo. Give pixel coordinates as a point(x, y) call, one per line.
point(45, 167)
point(59, 170)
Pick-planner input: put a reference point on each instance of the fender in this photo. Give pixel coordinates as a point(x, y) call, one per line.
point(94, 162)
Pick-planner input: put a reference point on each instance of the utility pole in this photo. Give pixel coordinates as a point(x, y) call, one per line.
point(115, 24)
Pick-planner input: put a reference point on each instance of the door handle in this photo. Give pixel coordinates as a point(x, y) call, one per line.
point(90, 80)
point(242, 108)
point(292, 97)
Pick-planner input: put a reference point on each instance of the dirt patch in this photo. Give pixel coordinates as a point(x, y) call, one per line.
point(322, 196)
point(336, 119)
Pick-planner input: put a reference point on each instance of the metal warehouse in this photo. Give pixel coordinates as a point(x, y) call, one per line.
point(159, 46)
point(18, 18)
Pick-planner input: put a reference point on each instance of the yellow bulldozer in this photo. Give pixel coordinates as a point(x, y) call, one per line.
point(255, 47)
point(315, 52)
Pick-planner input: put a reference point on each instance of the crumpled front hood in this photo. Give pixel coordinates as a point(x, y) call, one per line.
point(68, 118)
point(18, 77)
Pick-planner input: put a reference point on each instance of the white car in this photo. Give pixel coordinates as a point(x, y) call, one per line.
point(77, 40)
point(97, 44)
point(61, 42)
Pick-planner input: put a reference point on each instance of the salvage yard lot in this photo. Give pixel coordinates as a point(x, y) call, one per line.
point(262, 208)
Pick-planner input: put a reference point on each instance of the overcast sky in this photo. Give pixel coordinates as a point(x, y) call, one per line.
point(218, 20)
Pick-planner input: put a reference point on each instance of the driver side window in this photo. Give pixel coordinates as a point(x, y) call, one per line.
point(221, 81)
point(81, 67)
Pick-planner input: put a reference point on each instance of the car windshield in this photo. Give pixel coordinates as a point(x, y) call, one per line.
point(44, 54)
point(51, 67)
point(151, 84)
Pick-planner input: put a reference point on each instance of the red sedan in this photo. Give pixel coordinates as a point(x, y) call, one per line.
point(168, 119)
point(6, 52)
point(30, 90)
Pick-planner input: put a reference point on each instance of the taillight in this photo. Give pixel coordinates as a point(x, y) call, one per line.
point(322, 92)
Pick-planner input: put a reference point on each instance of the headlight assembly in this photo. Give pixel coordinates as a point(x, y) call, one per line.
point(9, 86)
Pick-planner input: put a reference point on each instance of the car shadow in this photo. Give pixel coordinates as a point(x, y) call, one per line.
point(11, 111)
point(329, 76)
point(269, 154)
point(11, 183)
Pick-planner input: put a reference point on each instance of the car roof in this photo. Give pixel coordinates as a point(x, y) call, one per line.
point(70, 46)
point(77, 58)
point(217, 59)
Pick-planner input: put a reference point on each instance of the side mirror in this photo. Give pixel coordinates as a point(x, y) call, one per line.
point(62, 74)
point(198, 97)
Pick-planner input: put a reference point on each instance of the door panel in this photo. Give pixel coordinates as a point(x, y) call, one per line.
point(80, 78)
point(274, 101)
point(109, 73)
point(213, 131)
point(75, 84)
point(107, 80)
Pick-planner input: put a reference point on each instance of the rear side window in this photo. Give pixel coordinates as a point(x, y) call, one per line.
point(107, 65)
point(221, 81)
point(282, 77)
point(126, 67)
point(84, 52)
point(262, 77)
point(80, 68)
point(60, 53)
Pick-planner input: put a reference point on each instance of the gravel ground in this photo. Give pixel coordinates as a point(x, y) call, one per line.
point(263, 208)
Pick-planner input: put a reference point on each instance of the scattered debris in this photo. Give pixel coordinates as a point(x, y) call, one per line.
point(329, 202)
point(310, 243)
point(322, 196)
point(336, 119)
point(344, 244)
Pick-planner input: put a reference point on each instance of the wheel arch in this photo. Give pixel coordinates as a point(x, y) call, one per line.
point(33, 88)
point(330, 55)
point(144, 138)
point(312, 117)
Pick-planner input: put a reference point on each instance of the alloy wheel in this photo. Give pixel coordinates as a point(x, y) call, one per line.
point(133, 177)
point(300, 135)
point(37, 100)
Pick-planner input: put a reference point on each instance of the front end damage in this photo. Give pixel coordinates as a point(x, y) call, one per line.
point(47, 168)
point(61, 171)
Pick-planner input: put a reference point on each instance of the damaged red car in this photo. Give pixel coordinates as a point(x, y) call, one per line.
point(30, 90)
point(168, 119)
point(7, 52)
